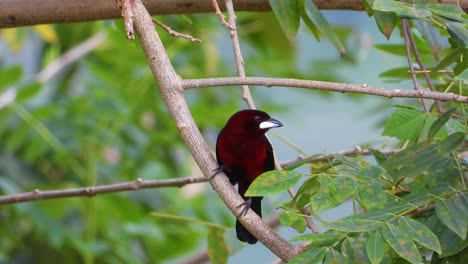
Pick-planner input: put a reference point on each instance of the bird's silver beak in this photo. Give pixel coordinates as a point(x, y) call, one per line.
point(271, 123)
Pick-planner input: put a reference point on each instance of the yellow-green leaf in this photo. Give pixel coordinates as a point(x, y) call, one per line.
point(375, 248)
point(420, 233)
point(217, 248)
point(401, 243)
point(272, 182)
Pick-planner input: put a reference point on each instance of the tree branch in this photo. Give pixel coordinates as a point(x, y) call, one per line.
point(16, 13)
point(91, 191)
point(172, 91)
point(324, 86)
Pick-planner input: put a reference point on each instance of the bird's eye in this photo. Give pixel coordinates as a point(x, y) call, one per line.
point(258, 118)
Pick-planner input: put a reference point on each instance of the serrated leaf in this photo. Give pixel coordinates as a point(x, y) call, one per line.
point(401, 243)
point(217, 248)
point(440, 122)
point(310, 256)
point(420, 233)
point(452, 217)
point(405, 123)
point(28, 91)
point(287, 13)
point(322, 24)
point(9, 76)
point(375, 247)
point(272, 182)
point(458, 32)
point(334, 257)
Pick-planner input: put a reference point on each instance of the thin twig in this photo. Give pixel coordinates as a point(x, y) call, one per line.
point(175, 33)
point(127, 15)
point(324, 86)
point(421, 64)
point(91, 191)
point(406, 34)
point(350, 152)
point(220, 14)
point(246, 96)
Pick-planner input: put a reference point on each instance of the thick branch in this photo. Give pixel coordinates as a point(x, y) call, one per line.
point(172, 91)
point(32, 12)
point(91, 191)
point(15, 13)
point(325, 86)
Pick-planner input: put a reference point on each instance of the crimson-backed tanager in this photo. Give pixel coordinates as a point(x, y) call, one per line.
point(243, 152)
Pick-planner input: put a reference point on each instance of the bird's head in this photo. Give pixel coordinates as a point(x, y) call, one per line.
point(250, 122)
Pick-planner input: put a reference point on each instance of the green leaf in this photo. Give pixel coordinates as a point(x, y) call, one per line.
point(405, 123)
point(379, 156)
point(9, 76)
point(420, 233)
point(310, 256)
point(440, 122)
point(343, 187)
point(452, 216)
point(334, 257)
point(355, 249)
point(217, 248)
point(287, 13)
point(401, 243)
point(322, 199)
point(319, 20)
point(430, 35)
point(353, 225)
point(458, 32)
point(272, 182)
point(375, 247)
point(402, 10)
point(322, 239)
point(450, 12)
point(308, 188)
point(372, 197)
point(386, 22)
point(452, 142)
point(454, 56)
point(28, 91)
point(294, 219)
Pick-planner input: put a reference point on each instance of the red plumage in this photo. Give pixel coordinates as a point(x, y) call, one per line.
point(243, 153)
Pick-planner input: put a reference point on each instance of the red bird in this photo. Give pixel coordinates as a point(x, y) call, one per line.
point(243, 153)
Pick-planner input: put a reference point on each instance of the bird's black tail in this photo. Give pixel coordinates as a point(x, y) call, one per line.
point(242, 233)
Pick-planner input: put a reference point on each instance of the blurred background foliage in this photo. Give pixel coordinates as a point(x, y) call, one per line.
point(100, 120)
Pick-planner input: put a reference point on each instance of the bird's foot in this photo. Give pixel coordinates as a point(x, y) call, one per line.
point(217, 171)
point(246, 206)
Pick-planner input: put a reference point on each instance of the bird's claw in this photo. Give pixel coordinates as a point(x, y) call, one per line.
point(246, 206)
point(217, 171)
